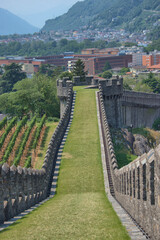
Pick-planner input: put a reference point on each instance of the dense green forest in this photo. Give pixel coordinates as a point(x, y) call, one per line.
point(99, 14)
point(39, 48)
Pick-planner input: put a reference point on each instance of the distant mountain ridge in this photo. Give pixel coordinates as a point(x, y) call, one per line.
point(133, 15)
point(10, 24)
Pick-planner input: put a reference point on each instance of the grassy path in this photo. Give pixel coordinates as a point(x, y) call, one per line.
point(80, 210)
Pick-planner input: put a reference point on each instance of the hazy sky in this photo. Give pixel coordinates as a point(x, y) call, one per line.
point(37, 11)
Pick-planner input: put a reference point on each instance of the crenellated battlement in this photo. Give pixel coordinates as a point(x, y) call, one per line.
point(112, 90)
point(136, 185)
point(112, 87)
point(21, 188)
point(63, 86)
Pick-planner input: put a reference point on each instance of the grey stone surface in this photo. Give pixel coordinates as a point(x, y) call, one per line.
point(128, 107)
point(136, 186)
point(140, 145)
point(131, 227)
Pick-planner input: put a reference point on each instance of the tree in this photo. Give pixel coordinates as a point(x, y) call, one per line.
point(46, 69)
point(130, 44)
point(50, 70)
point(13, 73)
point(107, 74)
point(107, 66)
point(63, 42)
point(78, 70)
point(153, 83)
point(1, 70)
point(66, 74)
point(126, 86)
point(124, 70)
point(31, 96)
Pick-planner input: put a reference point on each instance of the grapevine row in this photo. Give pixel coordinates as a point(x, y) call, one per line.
point(3, 122)
point(7, 130)
point(38, 131)
point(23, 143)
point(12, 142)
point(28, 162)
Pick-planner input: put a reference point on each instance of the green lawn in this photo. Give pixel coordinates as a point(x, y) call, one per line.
point(80, 210)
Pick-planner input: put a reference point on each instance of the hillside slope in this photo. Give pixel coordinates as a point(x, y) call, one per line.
point(131, 14)
point(10, 24)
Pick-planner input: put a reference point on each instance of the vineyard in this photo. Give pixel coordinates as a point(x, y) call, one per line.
point(22, 141)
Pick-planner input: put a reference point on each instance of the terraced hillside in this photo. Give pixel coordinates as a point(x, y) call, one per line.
point(80, 209)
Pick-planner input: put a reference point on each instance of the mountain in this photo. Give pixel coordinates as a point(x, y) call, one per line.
point(10, 24)
point(133, 15)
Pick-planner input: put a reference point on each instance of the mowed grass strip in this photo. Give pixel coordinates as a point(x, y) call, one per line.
point(80, 210)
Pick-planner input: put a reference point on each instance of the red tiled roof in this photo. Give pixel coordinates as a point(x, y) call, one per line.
point(154, 66)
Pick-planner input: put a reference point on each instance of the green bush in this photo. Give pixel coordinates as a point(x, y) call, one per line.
point(50, 119)
point(56, 119)
point(156, 124)
point(106, 75)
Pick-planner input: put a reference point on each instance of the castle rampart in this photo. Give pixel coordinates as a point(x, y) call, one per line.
point(62, 91)
point(135, 186)
point(125, 108)
point(21, 188)
point(140, 109)
point(112, 94)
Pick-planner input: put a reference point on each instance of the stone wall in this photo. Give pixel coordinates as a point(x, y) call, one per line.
point(89, 81)
point(126, 108)
point(21, 188)
point(63, 87)
point(137, 185)
point(112, 93)
point(140, 109)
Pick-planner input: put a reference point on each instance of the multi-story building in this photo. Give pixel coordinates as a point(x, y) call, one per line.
point(105, 51)
point(28, 65)
point(96, 64)
point(137, 59)
point(71, 64)
point(151, 59)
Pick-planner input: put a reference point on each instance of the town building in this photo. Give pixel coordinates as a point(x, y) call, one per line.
point(151, 59)
point(137, 59)
point(28, 65)
point(96, 64)
point(105, 51)
point(154, 67)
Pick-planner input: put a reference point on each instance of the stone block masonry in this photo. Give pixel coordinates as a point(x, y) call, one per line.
point(21, 188)
point(135, 186)
point(112, 94)
point(64, 85)
point(140, 109)
point(125, 108)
